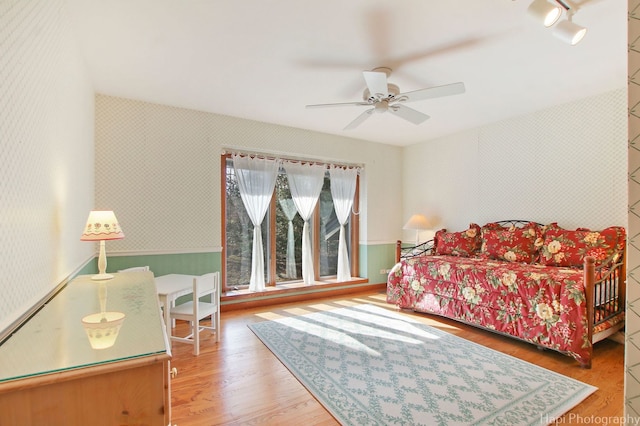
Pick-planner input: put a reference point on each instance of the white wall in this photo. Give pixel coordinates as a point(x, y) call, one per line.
point(46, 153)
point(566, 164)
point(158, 168)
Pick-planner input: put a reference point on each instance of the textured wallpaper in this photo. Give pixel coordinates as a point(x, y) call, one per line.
point(565, 164)
point(46, 153)
point(158, 168)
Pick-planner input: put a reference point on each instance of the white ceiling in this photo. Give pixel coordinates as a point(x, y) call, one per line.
point(266, 59)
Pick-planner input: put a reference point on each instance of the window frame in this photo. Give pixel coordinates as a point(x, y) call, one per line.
point(354, 233)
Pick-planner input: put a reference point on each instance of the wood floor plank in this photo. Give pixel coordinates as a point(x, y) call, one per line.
point(238, 381)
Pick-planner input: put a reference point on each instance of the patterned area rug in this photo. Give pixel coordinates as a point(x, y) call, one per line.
point(371, 366)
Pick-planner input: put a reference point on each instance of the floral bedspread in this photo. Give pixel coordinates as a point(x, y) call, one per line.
point(544, 305)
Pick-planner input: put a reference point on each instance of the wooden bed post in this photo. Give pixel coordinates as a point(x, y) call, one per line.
point(622, 279)
point(589, 277)
point(398, 250)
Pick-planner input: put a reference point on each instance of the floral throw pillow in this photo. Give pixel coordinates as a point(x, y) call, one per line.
point(563, 247)
point(512, 244)
point(494, 225)
point(465, 243)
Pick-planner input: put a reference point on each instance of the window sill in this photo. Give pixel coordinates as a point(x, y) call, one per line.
point(240, 299)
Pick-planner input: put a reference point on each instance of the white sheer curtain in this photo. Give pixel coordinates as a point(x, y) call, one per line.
point(289, 210)
point(305, 183)
point(256, 180)
point(343, 189)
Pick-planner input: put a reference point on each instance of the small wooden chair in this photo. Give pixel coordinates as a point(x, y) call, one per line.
point(197, 309)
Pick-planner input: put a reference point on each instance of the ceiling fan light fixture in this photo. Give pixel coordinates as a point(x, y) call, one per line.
point(569, 32)
point(381, 107)
point(546, 12)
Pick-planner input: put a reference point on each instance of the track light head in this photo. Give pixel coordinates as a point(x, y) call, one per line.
point(569, 32)
point(550, 12)
point(545, 11)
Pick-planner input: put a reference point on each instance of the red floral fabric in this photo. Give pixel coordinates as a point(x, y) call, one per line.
point(465, 243)
point(564, 247)
point(493, 225)
point(540, 304)
point(512, 244)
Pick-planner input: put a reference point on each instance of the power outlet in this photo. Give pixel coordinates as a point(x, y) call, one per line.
point(384, 271)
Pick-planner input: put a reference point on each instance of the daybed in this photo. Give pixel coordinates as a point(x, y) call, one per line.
point(556, 288)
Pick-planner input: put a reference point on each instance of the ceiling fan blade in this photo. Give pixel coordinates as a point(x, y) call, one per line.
point(378, 23)
point(433, 92)
point(376, 83)
point(449, 48)
point(339, 104)
point(359, 119)
point(409, 114)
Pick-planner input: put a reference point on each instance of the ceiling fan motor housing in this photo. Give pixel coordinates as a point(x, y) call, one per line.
point(392, 91)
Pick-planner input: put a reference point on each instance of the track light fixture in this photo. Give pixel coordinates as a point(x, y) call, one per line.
point(545, 11)
point(568, 31)
point(550, 13)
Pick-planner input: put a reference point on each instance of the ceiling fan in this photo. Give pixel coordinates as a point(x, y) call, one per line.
point(383, 96)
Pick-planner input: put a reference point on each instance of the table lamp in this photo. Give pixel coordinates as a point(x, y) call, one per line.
point(418, 222)
point(101, 226)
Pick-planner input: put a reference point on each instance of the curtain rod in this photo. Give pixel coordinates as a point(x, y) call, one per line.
point(284, 156)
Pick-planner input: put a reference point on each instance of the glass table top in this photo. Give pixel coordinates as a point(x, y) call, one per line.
point(88, 323)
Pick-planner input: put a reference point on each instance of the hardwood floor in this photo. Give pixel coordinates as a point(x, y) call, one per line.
point(238, 381)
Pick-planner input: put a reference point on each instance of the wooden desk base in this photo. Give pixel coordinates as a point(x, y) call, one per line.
point(130, 392)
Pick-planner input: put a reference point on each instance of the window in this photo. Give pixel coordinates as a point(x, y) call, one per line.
point(282, 234)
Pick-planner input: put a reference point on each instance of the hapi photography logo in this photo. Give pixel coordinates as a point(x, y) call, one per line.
point(577, 419)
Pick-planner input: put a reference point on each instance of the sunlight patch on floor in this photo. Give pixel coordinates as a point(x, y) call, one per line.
point(427, 319)
point(441, 326)
point(340, 325)
point(298, 311)
point(270, 315)
point(322, 307)
point(324, 332)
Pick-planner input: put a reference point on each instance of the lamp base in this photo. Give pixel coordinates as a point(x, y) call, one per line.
point(101, 277)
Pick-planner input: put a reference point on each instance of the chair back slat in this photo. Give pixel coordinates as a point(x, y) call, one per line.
point(135, 269)
point(208, 283)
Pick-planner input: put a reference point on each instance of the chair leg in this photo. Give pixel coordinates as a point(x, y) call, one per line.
point(218, 326)
point(196, 337)
point(173, 320)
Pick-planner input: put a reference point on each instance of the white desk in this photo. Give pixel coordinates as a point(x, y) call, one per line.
point(169, 288)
